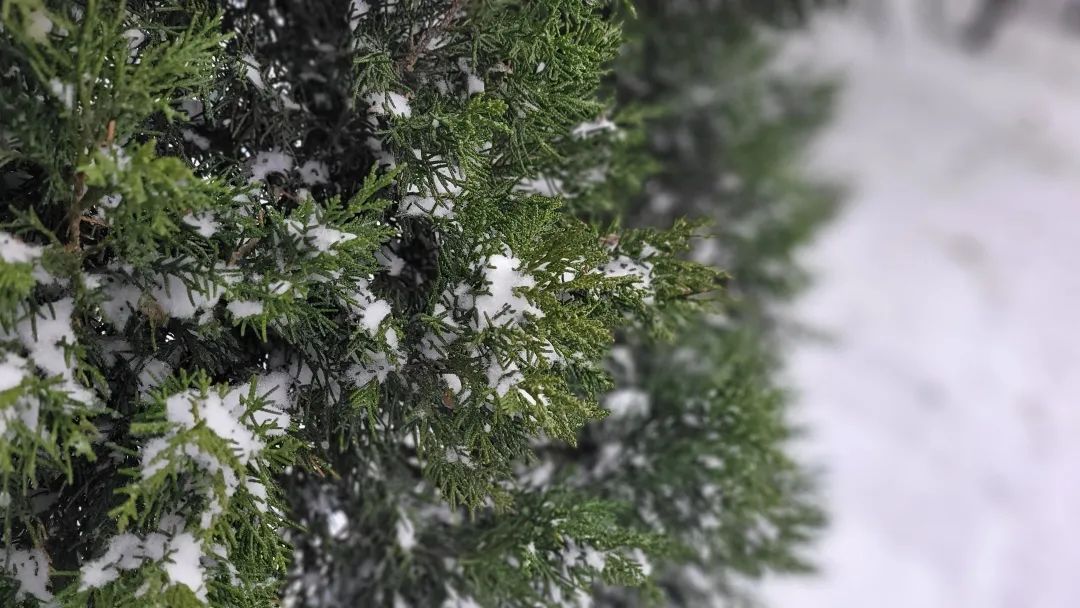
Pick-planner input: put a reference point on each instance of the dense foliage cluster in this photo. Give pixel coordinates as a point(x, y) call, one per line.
point(310, 302)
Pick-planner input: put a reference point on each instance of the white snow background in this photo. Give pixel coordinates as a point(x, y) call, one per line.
point(944, 409)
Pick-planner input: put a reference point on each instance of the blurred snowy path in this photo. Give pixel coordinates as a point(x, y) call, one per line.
point(946, 411)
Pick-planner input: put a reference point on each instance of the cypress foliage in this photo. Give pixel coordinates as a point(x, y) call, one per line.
point(698, 428)
point(309, 302)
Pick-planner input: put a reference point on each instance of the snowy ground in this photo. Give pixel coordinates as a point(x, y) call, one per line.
point(946, 409)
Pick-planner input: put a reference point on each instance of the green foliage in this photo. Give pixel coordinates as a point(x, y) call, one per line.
point(698, 435)
point(309, 302)
point(700, 452)
point(731, 128)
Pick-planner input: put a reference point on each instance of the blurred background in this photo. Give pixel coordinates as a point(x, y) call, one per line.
point(942, 396)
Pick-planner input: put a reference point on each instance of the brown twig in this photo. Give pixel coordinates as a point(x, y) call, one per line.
point(247, 246)
point(89, 219)
point(75, 213)
point(408, 62)
point(243, 250)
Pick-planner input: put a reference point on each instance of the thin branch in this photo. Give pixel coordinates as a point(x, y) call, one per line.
point(75, 213)
point(243, 250)
point(247, 246)
point(89, 219)
point(408, 62)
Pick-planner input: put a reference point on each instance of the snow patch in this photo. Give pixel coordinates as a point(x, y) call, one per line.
point(199, 141)
point(502, 378)
point(179, 552)
point(46, 335)
point(405, 532)
point(502, 306)
point(316, 237)
point(589, 128)
point(357, 10)
point(389, 260)
point(251, 70)
point(242, 309)
point(370, 309)
point(453, 382)
point(222, 415)
point(337, 523)
point(15, 251)
point(439, 202)
point(63, 91)
point(473, 83)
point(625, 266)
point(38, 26)
point(205, 223)
point(626, 402)
point(394, 104)
point(269, 162)
point(30, 569)
point(313, 173)
point(542, 185)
